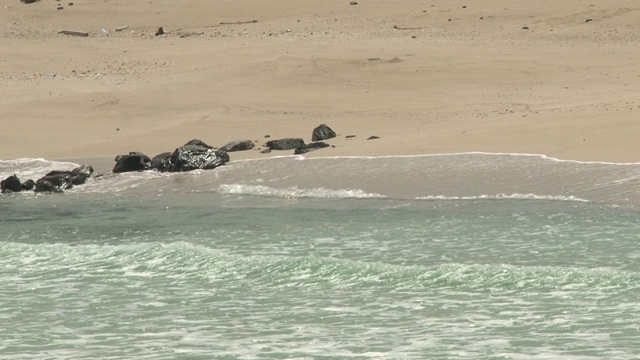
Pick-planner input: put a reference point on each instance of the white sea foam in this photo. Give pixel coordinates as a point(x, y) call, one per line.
point(515, 196)
point(295, 192)
point(32, 168)
point(527, 155)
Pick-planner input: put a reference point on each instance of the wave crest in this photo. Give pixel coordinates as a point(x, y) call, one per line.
point(515, 196)
point(295, 192)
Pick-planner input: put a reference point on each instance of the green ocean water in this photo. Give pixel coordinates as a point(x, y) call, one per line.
point(231, 266)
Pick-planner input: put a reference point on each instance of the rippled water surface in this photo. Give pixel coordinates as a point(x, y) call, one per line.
point(257, 269)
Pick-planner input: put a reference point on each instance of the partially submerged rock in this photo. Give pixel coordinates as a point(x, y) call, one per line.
point(194, 157)
point(161, 162)
point(59, 180)
point(78, 175)
point(54, 181)
point(11, 184)
point(134, 161)
point(28, 185)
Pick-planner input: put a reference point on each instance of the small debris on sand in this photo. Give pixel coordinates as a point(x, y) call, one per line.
point(239, 22)
point(74, 32)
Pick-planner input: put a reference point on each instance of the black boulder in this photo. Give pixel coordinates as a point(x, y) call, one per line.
point(285, 144)
point(322, 132)
point(135, 161)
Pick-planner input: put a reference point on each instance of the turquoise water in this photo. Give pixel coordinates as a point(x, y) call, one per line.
point(258, 261)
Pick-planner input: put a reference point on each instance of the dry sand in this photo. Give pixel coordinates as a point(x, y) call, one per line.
point(425, 76)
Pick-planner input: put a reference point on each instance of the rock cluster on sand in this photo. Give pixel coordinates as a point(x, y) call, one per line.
point(194, 155)
point(322, 132)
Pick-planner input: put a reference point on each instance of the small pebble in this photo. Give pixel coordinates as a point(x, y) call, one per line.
point(353, 3)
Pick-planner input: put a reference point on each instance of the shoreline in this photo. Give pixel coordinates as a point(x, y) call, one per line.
point(463, 176)
point(106, 163)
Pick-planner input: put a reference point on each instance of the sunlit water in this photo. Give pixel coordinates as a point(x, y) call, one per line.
point(466, 256)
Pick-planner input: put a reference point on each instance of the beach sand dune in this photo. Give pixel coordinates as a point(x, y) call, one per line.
point(553, 77)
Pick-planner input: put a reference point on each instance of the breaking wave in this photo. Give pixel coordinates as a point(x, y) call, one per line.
point(295, 192)
point(515, 196)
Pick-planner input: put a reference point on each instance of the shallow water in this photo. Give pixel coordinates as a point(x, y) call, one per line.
point(452, 256)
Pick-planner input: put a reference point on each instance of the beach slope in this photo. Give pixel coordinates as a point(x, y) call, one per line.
point(545, 77)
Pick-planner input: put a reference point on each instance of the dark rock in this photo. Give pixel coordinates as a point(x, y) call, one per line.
point(11, 184)
point(83, 170)
point(161, 162)
point(265, 151)
point(199, 143)
point(350, 136)
point(525, 28)
point(135, 161)
point(193, 157)
point(238, 145)
point(311, 147)
point(322, 132)
point(267, 136)
point(78, 175)
point(160, 31)
point(353, 3)
point(28, 185)
point(29, 1)
point(57, 183)
point(373, 137)
point(285, 144)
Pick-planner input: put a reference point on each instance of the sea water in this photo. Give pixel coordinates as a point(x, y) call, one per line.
point(478, 256)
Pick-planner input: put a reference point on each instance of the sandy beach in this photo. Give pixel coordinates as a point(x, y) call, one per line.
point(548, 77)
